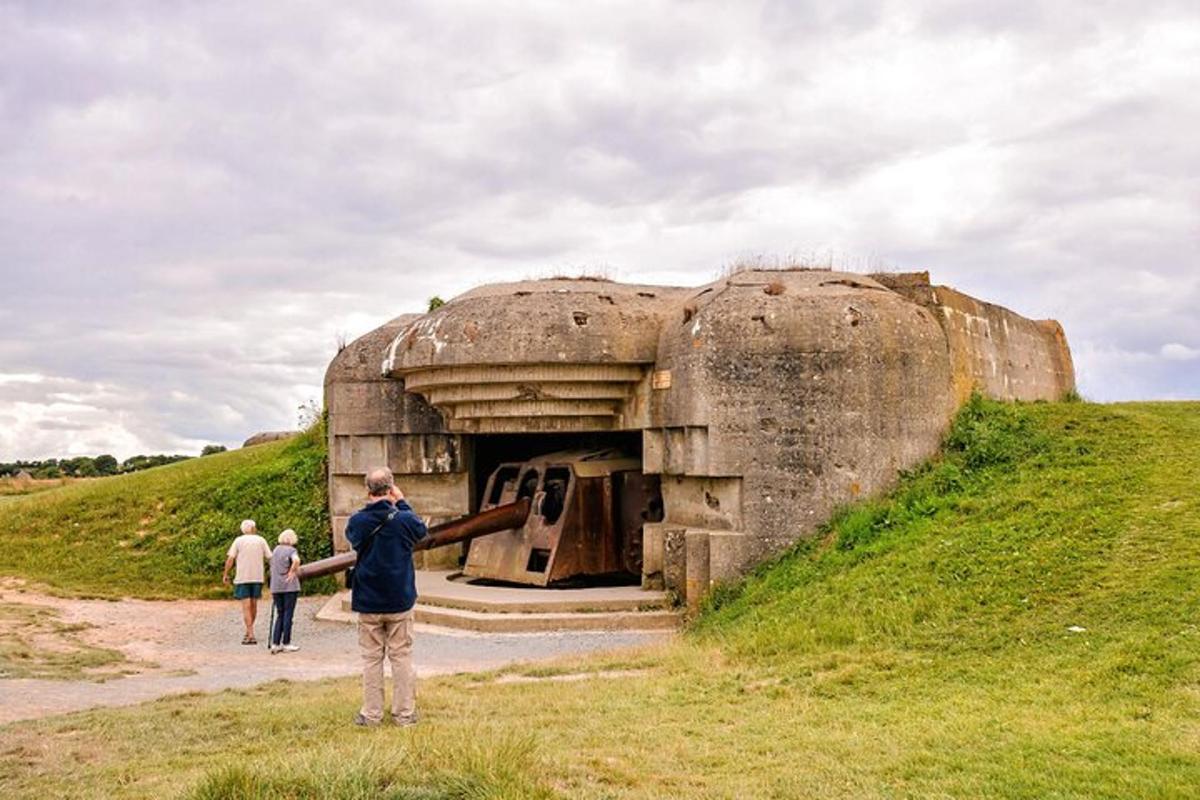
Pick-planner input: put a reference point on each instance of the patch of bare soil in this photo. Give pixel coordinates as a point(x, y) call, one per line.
point(163, 648)
point(36, 643)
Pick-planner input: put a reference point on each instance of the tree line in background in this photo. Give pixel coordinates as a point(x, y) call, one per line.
point(89, 467)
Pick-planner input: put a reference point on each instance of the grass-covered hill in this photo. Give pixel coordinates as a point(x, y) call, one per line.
point(163, 532)
point(1020, 619)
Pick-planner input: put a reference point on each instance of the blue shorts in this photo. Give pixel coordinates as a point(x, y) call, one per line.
point(244, 590)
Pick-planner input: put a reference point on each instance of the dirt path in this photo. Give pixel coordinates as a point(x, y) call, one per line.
point(195, 645)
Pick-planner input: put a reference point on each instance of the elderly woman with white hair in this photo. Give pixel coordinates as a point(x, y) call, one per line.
point(285, 589)
point(248, 552)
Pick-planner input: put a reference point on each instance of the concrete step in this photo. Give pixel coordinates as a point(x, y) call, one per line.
point(484, 622)
point(338, 610)
point(447, 589)
point(448, 601)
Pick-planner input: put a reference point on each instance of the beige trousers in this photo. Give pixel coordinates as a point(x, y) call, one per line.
point(390, 636)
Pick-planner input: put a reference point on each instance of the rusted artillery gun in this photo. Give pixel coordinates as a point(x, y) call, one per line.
point(464, 529)
point(588, 510)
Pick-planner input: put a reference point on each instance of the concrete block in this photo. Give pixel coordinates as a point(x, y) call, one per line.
point(653, 451)
point(730, 554)
point(347, 494)
point(686, 450)
point(714, 503)
point(675, 560)
point(426, 453)
point(354, 455)
point(340, 545)
point(697, 567)
point(446, 496)
point(653, 555)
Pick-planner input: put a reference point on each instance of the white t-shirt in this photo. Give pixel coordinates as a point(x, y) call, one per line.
point(250, 551)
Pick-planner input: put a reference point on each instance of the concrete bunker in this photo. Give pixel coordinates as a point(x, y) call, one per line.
point(747, 409)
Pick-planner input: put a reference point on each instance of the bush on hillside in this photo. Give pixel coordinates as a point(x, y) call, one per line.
point(987, 433)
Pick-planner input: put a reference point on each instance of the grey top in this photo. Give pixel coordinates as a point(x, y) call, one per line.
point(281, 562)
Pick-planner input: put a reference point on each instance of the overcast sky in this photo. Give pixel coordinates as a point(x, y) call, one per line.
point(197, 199)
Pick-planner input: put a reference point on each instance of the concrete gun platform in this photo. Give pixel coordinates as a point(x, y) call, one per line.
point(447, 599)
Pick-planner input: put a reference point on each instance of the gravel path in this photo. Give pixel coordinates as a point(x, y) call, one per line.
point(195, 645)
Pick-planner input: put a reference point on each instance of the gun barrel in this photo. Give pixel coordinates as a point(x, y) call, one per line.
point(500, 518)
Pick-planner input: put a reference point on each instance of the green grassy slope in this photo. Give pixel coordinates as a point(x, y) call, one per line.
point(163, 532)
point(1038, 518)
point(1019, 620)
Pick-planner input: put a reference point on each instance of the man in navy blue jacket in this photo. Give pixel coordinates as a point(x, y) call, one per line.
point(383, 533)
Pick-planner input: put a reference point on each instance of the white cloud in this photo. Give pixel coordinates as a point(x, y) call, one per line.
point(28, 377)
point(1179, 352)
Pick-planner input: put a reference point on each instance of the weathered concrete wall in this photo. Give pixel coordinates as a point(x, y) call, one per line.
point(1002, 354)
point(804, 390)
point(766, 399)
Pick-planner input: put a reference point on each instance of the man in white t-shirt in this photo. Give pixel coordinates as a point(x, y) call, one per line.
point(249, 552)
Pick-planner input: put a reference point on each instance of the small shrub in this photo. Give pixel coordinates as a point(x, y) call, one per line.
point(947, 478)
point(720, 595)
point(987, 433)
point(859, 525)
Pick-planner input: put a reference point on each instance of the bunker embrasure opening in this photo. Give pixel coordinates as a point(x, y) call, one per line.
point(590, 501)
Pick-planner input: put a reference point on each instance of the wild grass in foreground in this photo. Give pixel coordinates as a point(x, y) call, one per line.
point(1019, 620)
point(163, 532)
point(382, 770)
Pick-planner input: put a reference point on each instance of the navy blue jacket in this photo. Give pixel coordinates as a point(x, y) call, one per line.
point(384, 582)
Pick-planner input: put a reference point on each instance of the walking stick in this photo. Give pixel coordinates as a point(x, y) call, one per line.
point(271, 623)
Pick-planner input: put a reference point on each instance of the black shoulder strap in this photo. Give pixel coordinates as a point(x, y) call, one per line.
point(370, 537)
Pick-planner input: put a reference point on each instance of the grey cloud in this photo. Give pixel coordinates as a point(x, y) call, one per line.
point(61, 425)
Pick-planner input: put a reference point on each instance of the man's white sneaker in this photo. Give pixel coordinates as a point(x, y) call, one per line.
point(290, 648)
